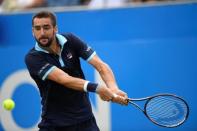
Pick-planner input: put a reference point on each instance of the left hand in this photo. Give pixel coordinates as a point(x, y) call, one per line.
point(120, 100)
point(120, 97)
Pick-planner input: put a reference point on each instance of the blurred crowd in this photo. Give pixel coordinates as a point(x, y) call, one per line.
point(13, 5)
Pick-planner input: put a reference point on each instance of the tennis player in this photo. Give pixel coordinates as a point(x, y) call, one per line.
point(54, 65)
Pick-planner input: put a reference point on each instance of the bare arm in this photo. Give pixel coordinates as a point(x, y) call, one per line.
point(74, 83)
point(109, 79)
point(104, 71)
point(63, 78)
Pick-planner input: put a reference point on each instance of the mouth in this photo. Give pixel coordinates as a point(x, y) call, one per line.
point(44, 40)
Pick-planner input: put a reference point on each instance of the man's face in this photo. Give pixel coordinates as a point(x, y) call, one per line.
point(43, 31)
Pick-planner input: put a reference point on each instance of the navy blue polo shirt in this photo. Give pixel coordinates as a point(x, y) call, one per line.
point(61, 106)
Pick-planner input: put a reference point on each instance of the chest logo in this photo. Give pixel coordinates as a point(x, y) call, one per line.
point(88, 49)
point(69, 56)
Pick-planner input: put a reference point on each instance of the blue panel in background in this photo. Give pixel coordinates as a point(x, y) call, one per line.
point(151, 49)
point(146, 68)
point(146, 22)
point(1, 128)
point(27, 98)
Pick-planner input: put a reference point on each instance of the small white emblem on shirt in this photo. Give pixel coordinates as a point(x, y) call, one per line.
point(69, 56)
point(88, 49)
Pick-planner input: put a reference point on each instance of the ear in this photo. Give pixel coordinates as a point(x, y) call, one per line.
point(32, 32)
point(56, 29)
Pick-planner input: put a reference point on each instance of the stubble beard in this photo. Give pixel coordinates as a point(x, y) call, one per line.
point(48, 44)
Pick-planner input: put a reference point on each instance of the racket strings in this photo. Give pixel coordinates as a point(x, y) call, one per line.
point(166, 110)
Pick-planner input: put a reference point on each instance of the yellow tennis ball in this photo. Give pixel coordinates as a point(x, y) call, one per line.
point(8, 104)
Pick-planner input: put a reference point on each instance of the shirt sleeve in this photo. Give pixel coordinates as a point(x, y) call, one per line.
point(83, 50)
point(38, 66)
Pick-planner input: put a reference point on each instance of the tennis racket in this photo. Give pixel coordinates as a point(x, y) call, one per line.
point(166, 110)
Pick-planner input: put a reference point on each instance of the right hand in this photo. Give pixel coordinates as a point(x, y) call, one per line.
point(105, 93)
point(120, 99)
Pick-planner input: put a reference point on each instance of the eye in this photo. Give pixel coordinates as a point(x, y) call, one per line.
point(37, 27)
point(46, 27)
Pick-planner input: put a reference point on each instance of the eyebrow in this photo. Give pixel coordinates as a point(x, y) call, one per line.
point(42, 25)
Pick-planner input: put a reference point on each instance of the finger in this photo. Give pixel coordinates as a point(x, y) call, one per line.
point(121, 93)
point(126, 101)
point(118, 99)
point(123, 101)
point(114, 96)
point(108, 97)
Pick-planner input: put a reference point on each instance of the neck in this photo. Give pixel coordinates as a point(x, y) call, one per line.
point(55, 47)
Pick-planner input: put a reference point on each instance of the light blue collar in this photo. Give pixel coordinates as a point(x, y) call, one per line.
point(62, 40)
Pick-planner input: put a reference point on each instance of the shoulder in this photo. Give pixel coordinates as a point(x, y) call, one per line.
point(70, 36)
point(33, 54)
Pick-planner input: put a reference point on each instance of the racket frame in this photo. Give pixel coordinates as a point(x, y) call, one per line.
point(131, 101)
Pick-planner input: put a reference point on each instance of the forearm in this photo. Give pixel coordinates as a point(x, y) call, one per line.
point(73, 83)
point(60, 77)
point(66, 80)
point(107, 76)
point(104, 71)
point(109, 79)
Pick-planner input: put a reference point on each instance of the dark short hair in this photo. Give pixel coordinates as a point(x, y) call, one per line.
point(45, 14)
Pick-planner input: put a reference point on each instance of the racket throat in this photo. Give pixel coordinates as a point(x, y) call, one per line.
point(136, 106)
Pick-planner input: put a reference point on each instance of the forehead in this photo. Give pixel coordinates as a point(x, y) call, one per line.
point(42, 21)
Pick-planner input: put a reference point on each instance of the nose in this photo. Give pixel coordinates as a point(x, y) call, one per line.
point(42, 31)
